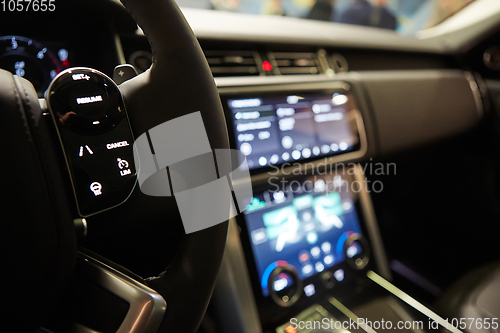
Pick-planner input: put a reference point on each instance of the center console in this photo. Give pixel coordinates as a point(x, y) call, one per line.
point(303, 237)
point(310, 230)
point(307, 248)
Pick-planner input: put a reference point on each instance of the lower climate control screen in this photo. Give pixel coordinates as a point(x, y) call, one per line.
point(307, 226)
point(276, 129)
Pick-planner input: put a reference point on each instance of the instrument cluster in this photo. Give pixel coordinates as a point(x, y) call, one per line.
point(37, 62)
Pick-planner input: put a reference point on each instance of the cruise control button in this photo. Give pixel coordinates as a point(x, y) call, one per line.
point(124, 167)
point(85, 101)
point(122, 164)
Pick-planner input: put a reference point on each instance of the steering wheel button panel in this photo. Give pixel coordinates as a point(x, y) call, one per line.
point(96, 137)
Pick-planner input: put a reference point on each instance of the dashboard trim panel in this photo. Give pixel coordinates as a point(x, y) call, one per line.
point(147, 307)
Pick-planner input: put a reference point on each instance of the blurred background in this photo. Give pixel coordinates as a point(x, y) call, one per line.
point(403, 16)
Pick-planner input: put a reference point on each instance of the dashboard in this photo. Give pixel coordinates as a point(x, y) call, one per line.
point(310, 232)
point(310, 236)
point(304, 111)
point(305, 233)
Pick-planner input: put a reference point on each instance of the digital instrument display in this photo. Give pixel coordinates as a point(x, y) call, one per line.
point(304, 225)
point(25, 57)
point(278, 129)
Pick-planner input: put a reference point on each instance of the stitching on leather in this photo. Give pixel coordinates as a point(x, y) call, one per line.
point(19, 107)
point(28, 110)
point(41, 167)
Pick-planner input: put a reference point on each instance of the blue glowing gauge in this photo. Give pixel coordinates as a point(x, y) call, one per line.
point(31, 60)
point(267, 273)
point(340, 243)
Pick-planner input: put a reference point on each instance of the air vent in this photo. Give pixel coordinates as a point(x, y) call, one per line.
point(289, 63)
point(338, 63)
point(233, 63)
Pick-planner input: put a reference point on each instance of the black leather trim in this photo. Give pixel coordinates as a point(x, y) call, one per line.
point(178, 83)
point(37, 242)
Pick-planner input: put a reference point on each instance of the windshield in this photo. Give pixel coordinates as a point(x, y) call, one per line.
point(403, 16)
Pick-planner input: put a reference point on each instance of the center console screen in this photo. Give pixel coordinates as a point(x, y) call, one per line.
point(304, 225)
point(275, 129)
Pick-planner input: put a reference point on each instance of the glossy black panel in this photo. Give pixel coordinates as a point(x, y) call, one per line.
point(95, 133)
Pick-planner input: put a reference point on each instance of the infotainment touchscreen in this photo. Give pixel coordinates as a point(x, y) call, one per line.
point(303, 224)
point(276, 129)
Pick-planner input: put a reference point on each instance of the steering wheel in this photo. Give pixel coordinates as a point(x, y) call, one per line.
point(39, 244)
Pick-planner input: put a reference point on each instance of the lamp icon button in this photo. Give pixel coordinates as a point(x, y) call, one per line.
point(96, 188)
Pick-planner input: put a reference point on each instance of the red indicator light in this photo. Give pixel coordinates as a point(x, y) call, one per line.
point(65, 63)
point(304, 257)
point(266, 66)
point(290, 329)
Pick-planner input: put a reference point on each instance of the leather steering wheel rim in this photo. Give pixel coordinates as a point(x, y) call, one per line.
point(178, 83)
